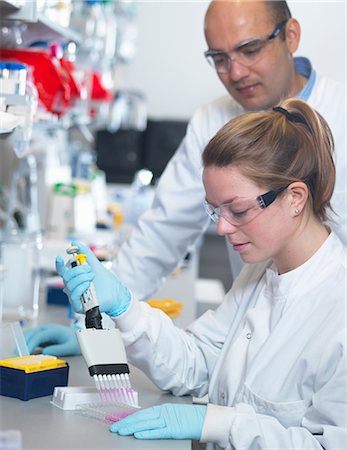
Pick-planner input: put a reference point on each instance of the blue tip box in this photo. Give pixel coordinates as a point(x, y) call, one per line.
point(32, 376)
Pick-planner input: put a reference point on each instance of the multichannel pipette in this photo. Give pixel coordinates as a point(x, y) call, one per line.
point(102, 349)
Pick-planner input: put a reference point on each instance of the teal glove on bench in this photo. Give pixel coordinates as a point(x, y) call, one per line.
point(168, 421)
point(56, 340)
point(113, 297)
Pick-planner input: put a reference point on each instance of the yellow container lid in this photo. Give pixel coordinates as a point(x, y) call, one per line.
point(167, 305)
point(118, 217)
point(33, 363)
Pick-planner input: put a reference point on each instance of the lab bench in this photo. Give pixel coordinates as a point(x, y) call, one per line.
point(44, 426)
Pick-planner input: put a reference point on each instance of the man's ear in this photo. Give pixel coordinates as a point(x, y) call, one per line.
point(292, 35)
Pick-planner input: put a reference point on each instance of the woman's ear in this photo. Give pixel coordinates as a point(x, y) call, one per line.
point(292, 33)
point(298, 196)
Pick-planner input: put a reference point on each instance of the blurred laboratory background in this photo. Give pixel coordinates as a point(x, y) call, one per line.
point(95, 96)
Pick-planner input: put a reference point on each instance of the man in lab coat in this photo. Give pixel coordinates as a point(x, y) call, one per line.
point(251, 46)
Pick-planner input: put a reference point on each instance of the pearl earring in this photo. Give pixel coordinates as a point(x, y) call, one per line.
point(296, 210)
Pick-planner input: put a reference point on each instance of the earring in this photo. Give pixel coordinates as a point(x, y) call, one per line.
point(296, 210)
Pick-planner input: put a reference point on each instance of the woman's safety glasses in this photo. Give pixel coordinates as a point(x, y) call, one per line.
point(242, 210)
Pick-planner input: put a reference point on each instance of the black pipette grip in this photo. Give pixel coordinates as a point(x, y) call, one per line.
point(94, 318)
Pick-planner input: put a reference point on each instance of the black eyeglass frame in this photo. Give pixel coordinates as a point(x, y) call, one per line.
point(266, 199)
point(210, 53)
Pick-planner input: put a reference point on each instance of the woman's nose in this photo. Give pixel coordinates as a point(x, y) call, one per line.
point(224, 227)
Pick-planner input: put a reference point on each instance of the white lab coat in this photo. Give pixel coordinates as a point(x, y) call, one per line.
point(272, 357)
point(178, 219)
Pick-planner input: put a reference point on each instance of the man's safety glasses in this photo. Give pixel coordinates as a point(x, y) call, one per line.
point(242, 210)
point(247, 54)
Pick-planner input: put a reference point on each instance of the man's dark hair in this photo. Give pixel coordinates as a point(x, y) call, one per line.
point(279, 10)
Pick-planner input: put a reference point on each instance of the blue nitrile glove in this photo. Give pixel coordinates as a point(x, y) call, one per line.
point(168, 421)
point(57, 340)
point(113, 297)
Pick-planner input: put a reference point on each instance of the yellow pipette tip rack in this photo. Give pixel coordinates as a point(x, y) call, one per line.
point(33, 363)
point(32, 376)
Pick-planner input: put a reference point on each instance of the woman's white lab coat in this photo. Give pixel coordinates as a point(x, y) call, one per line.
point(271, 357)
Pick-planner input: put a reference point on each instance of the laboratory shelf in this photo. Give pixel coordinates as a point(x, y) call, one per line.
point(45, 29)
point(38, 26)
point(18, 11)
point(11, 5)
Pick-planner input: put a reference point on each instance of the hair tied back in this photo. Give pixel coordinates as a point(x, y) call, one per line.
point(292, 117)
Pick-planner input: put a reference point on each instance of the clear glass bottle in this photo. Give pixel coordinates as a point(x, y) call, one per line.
point(20, 253)
point(2, 271)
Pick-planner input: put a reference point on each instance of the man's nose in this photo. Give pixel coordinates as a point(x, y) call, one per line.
point(237, 71)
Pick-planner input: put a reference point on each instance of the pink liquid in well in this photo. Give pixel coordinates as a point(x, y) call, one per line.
point(114, 417)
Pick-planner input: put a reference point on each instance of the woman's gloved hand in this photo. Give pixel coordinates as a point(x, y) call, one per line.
point(168, 421)
point(57, 340)
point(113, 297)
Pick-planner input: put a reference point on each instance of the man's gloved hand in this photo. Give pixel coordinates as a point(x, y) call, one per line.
point(168, 421)
point(57, 340)
point(113, 297)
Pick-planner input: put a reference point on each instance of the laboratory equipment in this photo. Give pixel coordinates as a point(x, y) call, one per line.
point(2, 271)
point(105, 356)
point(89, 299)
point(12, 341)
point(70, 397)
point(86, 400)
point(102, 349)
point(108, 413)
point(21, 278)
point(32, 376)
point(12, 78)
point(67, 203)
point(21, 235)
point(56, 87)
point(168, 306)
point(73, 397)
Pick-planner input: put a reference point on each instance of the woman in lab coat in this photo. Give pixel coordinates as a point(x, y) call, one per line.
point(272, 356)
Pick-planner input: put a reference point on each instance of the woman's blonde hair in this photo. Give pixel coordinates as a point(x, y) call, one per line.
point(274, 148)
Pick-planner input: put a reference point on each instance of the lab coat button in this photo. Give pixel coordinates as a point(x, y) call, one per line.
point(248, 335)
point(222, 396)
